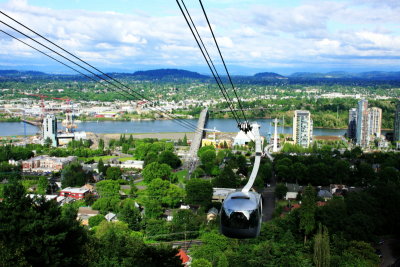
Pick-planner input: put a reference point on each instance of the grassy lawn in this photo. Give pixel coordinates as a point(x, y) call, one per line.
point(97, 158)
point(127, 158)
point(283, 203)
point(141, 183)
point(182, 176)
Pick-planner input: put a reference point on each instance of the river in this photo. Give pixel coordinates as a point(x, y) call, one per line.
point(155, 126)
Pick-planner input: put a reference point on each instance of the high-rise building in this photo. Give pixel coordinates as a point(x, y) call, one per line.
point(397, 123)
point(302, 128)
point(362, 136)
point(49, 129)
point(352, 128)
point(374, 122)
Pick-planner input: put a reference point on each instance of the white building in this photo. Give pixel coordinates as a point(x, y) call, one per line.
point(243, 138)
point(49, 129)
point(302, 128)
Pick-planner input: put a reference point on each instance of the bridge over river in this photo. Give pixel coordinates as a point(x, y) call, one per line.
point(192, 158)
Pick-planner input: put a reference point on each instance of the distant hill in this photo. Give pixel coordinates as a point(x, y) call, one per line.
point(20, 73)
point(269, 75)
point(167, 73)
point(371, 75)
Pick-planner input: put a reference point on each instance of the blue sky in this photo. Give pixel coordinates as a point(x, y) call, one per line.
point(254, 35)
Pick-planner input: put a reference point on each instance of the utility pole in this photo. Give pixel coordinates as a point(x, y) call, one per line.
point(275, 147)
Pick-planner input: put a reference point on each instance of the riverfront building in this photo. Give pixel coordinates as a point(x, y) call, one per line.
point(352, 127)
point(302, 128)
point(49, 129)
point(368, 121)
point(362, 136)
point(374, 122)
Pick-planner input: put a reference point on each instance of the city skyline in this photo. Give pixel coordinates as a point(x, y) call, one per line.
point(254, 35)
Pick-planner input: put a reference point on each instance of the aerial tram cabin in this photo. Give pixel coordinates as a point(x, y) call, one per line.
point(241, 212)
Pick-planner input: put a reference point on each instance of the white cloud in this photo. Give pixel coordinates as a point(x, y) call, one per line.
point(259, 35)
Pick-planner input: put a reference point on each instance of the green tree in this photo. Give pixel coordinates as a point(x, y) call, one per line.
point(130, 214)
point(74, 175)
point(48, 142)
point(113, 173)
point(307, 211)
point(242, 164)
point(175, 195)
point(150, 157)
point(36, 233)
point(213, 245)
point(223, 261)
point(280, 191)
point(100, 167)
point(204, 149)
point(101, 144)
point(152, 208)
point(169, 158)
point(119, 246)
point(208, 156)
point(156, 170)
point(226, 179)
point(96, 220)
point(201, 263)
point(184, 141)
point(108, 188)
point(342, 171)
point(106, 204)
point(157, 229)
point(321, 248)
point(42, 185)
point(198, 192)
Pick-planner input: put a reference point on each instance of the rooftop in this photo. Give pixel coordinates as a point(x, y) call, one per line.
point(75, 190)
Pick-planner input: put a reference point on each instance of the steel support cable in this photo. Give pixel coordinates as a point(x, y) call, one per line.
point(187, 21)
point(113, 79)
point(188, 125)
point(211, 61)
point(72, 68)
point(223, 61)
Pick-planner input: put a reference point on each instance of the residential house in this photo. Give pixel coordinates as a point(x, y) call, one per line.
point(74, 192)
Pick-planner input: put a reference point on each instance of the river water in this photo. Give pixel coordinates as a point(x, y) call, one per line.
point(155, 126)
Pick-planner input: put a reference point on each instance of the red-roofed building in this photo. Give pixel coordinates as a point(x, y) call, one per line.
point(74, 192)
point(184, 257)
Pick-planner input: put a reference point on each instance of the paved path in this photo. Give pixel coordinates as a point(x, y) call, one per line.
point(268, 203)
point(269, 192)
point(388, 258)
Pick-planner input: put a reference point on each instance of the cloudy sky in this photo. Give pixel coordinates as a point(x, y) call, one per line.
point(283, 36)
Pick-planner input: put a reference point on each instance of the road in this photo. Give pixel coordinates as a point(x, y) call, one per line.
point(387, 252)
point(268, 203)
point(269, 192)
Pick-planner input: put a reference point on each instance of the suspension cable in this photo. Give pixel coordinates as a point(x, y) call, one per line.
point(113, 79)
point(211, 61)
point(74, 69)
point(198, 43)
point(223, 61)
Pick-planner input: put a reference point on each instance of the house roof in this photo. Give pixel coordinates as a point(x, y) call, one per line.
point(324, 193)
point(183, 256)
point(75, 190)
point(110, 216)
point(87, 210)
